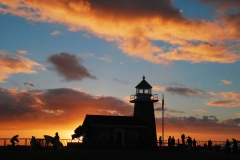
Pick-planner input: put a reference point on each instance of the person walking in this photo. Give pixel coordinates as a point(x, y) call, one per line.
point(13, 140)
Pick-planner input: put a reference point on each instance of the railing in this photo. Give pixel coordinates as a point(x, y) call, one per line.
point(144, 97)
point(26, 141)
point(199, 143)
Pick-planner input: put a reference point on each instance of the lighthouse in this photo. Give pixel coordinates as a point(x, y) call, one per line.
point(144, 111)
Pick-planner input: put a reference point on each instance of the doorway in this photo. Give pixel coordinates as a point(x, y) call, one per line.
point(119, 137)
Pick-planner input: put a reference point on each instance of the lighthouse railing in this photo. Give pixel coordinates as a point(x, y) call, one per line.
point(154, 97)
point(143, 96)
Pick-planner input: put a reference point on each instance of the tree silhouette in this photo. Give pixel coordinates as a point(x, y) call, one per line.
point(79, 131)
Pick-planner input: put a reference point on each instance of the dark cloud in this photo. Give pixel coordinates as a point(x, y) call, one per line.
point(13, 105)
point(136, 8)
point(184, 91)
point(29, 84)
point(221, 103)
point(204, 125)
point(55, 107)
point(119, 80)
point(234, 121)
point(69, 99)
point(70, 67)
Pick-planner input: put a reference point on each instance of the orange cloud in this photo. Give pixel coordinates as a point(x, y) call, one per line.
point(158, 88)
point(202, 53)
point(19, 64)
point(136, 24)
point(200, 111)
point(224, 99)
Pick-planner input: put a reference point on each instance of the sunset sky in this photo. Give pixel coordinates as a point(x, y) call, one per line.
point(63, 59)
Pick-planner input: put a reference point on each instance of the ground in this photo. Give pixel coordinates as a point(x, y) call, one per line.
point(113, 154)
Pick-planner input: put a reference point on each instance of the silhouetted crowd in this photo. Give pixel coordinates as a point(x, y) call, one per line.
point(189, 144)
point(34, 144)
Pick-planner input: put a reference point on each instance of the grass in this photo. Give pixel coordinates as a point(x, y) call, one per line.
point(113, 154)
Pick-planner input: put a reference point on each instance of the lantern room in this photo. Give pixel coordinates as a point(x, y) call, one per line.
point(143, 87)
point(143, 92)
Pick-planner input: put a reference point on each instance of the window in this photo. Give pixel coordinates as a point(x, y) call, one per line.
point(140, 90)
point(104, 135)
point(146, 91)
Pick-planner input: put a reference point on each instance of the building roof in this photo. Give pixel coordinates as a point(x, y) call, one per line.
point(143, 84)
point(105, 120)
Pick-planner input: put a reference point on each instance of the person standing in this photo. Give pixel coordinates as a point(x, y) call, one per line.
point(210, 145)
point(13, 140)
point(189, 142)
point(160, 141)
point(33, 143)
point(183, 138)
point(194, 144)
point(234, 145)
point(169, 143)
point(56, 138)
point(228, 146)
point(173, 142)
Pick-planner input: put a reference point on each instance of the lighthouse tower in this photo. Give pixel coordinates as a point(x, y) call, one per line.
point(144, 111)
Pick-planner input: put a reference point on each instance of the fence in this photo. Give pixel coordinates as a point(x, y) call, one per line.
point(200, 143)
point(26, 141)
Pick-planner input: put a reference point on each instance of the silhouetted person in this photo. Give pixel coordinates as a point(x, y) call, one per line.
point(210, 145)
point(54, 139)
point(13, 140)
point(183, 138)
point(32, 143)
point(235, 147)
point(160, 141)
point(189, 142)
point(173, 142)
point(228, 146)
point(194, 144)
point(169, 143)
point(178, 143)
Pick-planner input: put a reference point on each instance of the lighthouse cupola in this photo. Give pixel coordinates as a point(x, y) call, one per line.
point(143, 92)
